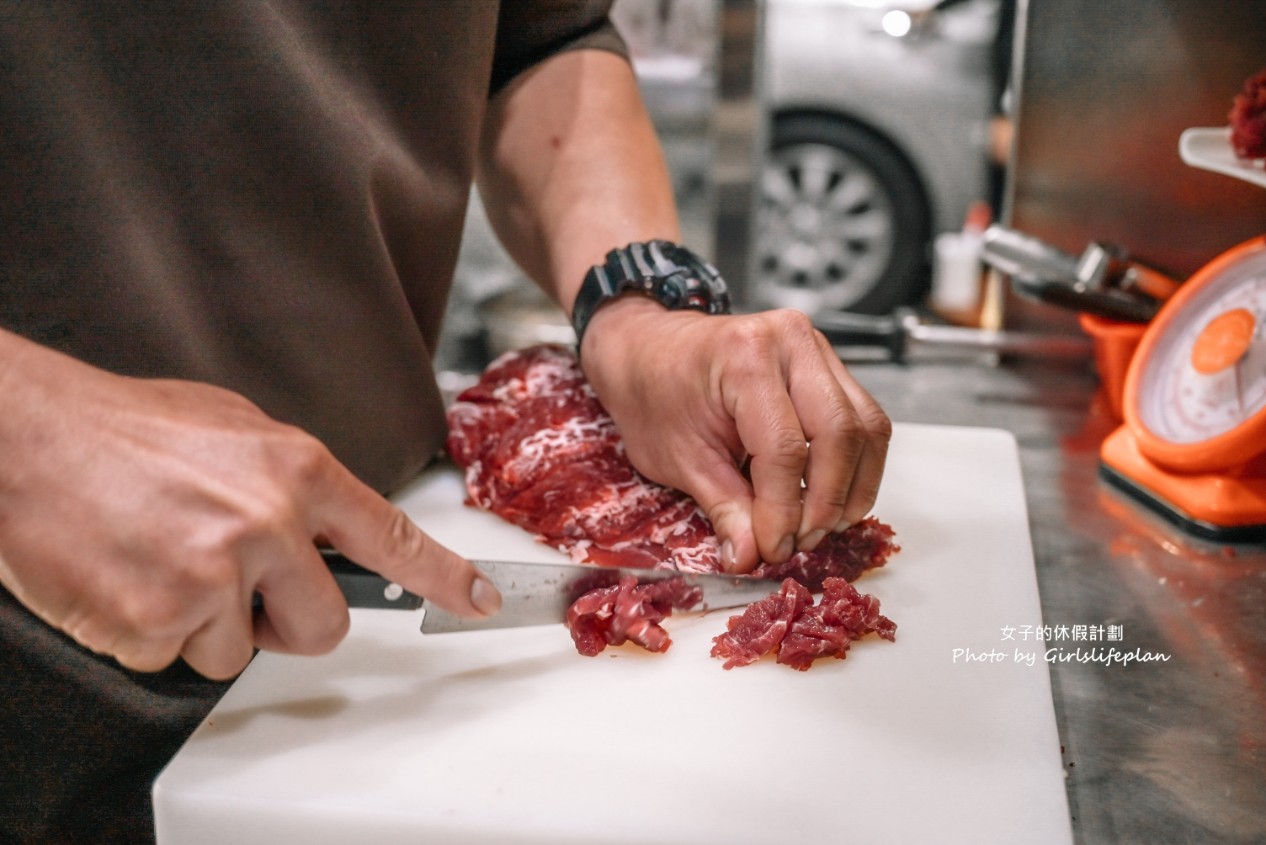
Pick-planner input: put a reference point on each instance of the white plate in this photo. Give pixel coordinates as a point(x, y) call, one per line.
point(1210, 149)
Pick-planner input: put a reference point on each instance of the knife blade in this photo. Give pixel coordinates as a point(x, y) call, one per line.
point(540, 593)
point(533, 593)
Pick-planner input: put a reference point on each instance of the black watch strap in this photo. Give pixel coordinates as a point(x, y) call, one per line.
point(667, 272)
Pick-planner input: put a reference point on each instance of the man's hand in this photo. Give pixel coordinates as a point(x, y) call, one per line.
point(570, 168)
point(141, 516)
point(697, 397)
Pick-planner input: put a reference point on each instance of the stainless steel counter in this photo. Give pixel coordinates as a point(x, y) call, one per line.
point(1167, 751)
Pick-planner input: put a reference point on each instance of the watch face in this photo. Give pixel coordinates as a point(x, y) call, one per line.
point(1205, 375)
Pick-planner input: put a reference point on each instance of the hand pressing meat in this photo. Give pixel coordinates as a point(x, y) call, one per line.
point(698, 397)
point(540, 451)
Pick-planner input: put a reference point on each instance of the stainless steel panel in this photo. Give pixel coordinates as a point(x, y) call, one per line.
point(1105, 91)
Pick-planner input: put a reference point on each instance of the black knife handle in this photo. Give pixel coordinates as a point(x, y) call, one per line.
point(365, 588)
point(844, 328)
point(362, 587)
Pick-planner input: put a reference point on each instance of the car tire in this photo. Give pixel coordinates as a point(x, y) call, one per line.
point(843, 221)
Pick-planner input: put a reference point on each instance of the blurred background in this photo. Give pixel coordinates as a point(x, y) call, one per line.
point(844, 156)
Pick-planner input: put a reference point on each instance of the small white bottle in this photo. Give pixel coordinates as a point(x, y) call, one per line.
point(957, 268)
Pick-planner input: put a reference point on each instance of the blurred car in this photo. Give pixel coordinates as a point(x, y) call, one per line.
point(879, 114)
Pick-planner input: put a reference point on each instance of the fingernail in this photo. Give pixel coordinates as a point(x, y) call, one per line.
point(785, 548)
point(810, 541)
point(727, 555)
point(484, 596)
point(843, 526)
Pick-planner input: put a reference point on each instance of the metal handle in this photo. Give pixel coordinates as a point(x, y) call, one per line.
point(1025, 257)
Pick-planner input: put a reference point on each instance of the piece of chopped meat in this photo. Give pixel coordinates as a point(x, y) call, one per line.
point(789, 625)
point(761, 628)
point(539, 450)
point(866, 545)
point(628, 612)
point(827, 629)
point(1248, 118)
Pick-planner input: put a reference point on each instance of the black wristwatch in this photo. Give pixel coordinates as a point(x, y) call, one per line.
point(667, 272)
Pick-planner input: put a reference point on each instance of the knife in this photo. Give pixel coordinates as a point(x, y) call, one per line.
point(533, 593)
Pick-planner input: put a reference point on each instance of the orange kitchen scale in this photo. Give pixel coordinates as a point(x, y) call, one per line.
point(1193, 442)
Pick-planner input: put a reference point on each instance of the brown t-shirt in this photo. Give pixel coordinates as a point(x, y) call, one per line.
point(267, 196)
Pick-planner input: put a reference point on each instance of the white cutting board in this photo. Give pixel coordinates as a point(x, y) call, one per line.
point(512, 737)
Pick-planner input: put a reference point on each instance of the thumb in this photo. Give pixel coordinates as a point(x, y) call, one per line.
point(726, 497)
point(381, 537)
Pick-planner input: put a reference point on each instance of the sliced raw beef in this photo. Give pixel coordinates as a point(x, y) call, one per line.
point(763, 626)
point(789, 625)
point(539, 450)
point(628, 612)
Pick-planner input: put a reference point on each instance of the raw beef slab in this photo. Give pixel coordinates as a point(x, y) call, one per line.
point(539, 450)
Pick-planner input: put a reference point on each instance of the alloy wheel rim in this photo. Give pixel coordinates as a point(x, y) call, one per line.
point(827, 228)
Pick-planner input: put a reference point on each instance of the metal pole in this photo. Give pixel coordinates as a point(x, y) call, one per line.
point(739, 133)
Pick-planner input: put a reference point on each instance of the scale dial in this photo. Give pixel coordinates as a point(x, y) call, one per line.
point(1195, 397)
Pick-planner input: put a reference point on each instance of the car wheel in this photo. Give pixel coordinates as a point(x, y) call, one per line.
point(843, 222)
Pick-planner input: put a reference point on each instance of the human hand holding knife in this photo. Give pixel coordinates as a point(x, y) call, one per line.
point(531, 593)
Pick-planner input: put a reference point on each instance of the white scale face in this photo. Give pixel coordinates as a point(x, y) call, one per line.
point(1179, 403)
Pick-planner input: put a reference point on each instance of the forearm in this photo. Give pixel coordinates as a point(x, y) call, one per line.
point(570, 167)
